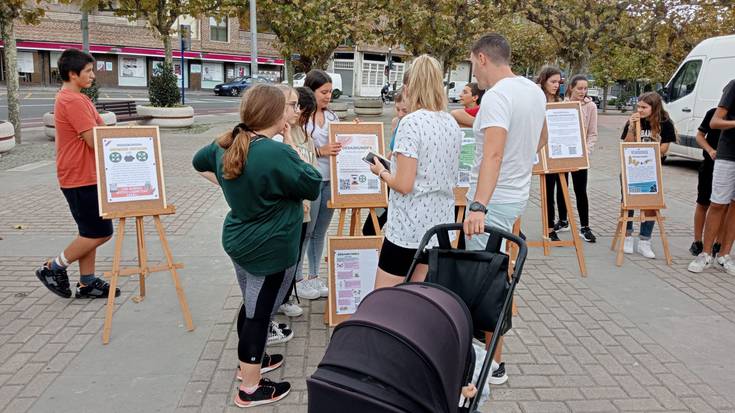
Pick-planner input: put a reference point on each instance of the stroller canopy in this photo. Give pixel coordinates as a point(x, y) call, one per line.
point(413, 339)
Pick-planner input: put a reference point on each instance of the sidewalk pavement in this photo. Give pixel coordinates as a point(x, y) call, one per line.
point(641, 337)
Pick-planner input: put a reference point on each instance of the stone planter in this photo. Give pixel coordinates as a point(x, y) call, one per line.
point(176, 117)
point(339, 108)
point(7, 136)
point(368, 107)
point(49, 126)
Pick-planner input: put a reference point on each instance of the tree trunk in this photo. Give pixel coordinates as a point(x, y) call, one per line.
point(289, 71)
point(85, 31)
point(604, 99)
point(169, 59)
point(11, 70)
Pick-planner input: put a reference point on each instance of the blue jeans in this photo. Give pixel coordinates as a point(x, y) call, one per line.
point(316, 231)
point(646, 228)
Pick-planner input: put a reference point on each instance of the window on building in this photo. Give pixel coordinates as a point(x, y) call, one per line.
point(263, 24)
point(373, 74)
point(218, 30)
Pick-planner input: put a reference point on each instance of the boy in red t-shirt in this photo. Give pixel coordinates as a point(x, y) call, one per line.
point(75, 116)
point(470, 98)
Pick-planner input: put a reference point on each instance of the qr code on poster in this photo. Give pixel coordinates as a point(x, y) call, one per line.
point(555, 150)
point(344, 184)
point(572, 150)
point(373, 184)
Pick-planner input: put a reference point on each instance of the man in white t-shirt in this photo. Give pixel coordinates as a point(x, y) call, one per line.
point(509, 129)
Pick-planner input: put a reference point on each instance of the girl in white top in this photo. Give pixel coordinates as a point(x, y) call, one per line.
point(316, 232)
point(423, 173)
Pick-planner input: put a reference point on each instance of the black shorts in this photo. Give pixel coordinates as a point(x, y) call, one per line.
point(704, 184)
point(394, 259)
point(83, 206)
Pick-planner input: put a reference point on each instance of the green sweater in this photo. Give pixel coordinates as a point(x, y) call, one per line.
point(261, 231)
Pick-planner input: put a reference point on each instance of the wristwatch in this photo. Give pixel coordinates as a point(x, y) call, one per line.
point(478, 207)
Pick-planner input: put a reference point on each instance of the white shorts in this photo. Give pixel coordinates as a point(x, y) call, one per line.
point(723, 182)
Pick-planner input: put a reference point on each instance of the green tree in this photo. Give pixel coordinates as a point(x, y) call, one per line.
point(315, 28)
point(28, 13)
point(531, 46)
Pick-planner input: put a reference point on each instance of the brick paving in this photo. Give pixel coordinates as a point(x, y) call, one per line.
point(575, 347)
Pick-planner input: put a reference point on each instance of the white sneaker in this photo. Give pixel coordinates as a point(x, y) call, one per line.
point(290, 309)
point(628, 245)
point(644, 248)
point(306, 291)
point(278, 335)
point(320, 286)
point(728, 264)
point(701, 263)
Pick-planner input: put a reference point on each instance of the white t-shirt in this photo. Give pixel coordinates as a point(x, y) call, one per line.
point(321, 138)
point(519, 106)
point(434, 140)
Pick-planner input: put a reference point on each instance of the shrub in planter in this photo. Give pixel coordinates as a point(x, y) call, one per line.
point(163, 91)
point(93, 92)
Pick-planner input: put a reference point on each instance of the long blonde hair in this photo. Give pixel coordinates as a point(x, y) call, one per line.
point(261, 107)
point(426, 90)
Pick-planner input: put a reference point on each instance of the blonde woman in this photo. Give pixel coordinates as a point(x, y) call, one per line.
point(424, 168)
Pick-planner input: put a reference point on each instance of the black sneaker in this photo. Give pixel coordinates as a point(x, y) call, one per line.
point(270, 362)
point(697, 248)
point(553, 236)
point(56, 281)
point(587, 234)
point(278, 333)
point(561, 226)
point(498, 376)
point(268, 392)
point(715, 249)
point(97, 289)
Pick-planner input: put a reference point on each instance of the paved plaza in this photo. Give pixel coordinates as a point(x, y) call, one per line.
point(641, 337)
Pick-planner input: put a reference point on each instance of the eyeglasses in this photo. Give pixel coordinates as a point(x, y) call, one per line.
point(294, 105)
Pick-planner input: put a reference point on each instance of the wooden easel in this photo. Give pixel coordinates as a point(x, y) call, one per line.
point(143, 269)
point(355, 219)
point(648, 205)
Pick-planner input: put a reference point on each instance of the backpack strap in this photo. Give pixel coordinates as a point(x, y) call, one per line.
point(494, 242)
point(495, 265)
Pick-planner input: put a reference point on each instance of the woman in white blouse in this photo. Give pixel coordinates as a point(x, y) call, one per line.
point(423, 173)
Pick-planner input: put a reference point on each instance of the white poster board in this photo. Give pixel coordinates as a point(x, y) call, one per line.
point(212, 74)
point(25, 62)
point(641, 171)
point(565, 136)
point(130, 168)
point(131, 71)
point(354, 277)
point(353, 174)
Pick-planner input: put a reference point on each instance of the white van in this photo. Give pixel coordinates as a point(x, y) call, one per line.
point(298, 81)
point(695, 88)
point(455, 89)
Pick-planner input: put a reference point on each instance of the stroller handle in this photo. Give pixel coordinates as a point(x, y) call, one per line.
point(446, 228)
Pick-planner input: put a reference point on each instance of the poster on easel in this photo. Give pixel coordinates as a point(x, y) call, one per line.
point(640, 164)
point(352, 183)
point(129, 169)
point(353, 263)
point(466, 162)
point(566, 148)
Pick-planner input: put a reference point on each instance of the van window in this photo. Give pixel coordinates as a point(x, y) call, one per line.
point(685, 80)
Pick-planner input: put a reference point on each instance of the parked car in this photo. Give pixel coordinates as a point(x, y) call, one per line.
point(298, 81)
point(236, 86)
point(695, 88)
point(455, 89)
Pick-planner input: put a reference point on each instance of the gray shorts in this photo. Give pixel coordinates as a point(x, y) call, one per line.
point(723, 182)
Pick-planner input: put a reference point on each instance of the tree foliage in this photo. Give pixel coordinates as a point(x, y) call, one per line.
point(313, 29)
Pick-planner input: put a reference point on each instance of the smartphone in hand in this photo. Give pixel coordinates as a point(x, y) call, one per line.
point(371, 155)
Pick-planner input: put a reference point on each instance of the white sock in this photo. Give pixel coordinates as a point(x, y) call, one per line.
point(249, 390)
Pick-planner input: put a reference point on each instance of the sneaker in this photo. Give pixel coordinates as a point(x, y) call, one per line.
point(644, 248)
point(290, 309)
point(561, 226)
point(587, 235)
point(97, 289)
point(267, 392)
point(320, 286)
point(306, 291)
point(270, 362)
point(719, 262)
point(553, 236)
point(729, 264)
point(56, 281)
point(628, 245)
point(498, 376)
point(697, 248)
point(716, 248)
point(702, 262)
point(278, 334)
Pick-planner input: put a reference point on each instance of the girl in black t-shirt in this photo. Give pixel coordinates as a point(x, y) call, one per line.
point(656, 126)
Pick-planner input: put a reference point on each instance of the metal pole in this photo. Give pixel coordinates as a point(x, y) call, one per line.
point(253, 41)
point(181, 37)
point(85, 31)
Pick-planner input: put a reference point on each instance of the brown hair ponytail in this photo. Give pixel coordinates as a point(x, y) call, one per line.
point(261, 107)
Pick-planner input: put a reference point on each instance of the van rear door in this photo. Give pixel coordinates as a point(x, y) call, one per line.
point(681, 99)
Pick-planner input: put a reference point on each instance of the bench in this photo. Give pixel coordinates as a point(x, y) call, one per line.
point(125, 110)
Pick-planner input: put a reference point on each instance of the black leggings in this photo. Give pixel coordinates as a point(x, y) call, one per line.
point(253, 332)
point(553, 187)
point(301, 246)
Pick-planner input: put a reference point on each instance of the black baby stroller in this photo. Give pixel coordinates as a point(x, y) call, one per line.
point(408, 348)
